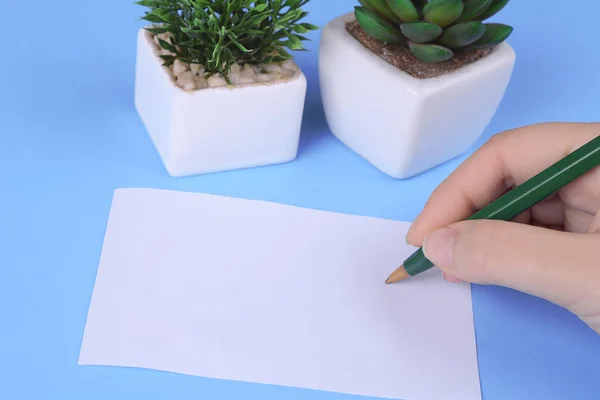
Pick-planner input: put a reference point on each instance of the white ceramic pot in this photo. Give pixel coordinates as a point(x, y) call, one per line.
point(401, 124)
point(216, 129)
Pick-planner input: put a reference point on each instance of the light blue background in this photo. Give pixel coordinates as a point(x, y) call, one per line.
point(69, 136)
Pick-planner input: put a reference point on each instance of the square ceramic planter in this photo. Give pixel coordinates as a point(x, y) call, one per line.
point(216, 128)
point(401, 124)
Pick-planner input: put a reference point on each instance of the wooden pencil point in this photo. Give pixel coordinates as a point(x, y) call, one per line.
point(398, 275)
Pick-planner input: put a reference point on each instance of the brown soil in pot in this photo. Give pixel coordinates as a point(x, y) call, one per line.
point(401, 57)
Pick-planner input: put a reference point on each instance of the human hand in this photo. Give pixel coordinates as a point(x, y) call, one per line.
point(551, 251)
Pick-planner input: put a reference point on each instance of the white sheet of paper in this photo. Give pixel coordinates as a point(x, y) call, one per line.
point(261, 292)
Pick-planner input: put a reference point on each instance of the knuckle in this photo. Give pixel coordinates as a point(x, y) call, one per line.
point(493, 142)
point(509, 134)
point(498, 141)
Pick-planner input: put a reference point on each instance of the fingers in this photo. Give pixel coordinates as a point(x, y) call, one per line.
point(559, 267)
point(577, 221)
point(549, 212)
point(594, 226)
point(584, 193)
point(523, 218)
point(508, 159)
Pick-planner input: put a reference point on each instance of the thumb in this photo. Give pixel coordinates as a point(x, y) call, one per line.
point(557, 266)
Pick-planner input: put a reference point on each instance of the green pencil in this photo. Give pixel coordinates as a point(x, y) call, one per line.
point(519, 199)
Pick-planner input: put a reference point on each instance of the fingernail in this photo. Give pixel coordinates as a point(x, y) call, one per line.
point(438, 247)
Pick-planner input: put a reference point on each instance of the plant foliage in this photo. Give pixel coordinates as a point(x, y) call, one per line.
point(220, 33)
point(434, 30)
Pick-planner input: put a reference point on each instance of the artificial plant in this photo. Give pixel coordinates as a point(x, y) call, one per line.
point(220, 33)
point(434, 30)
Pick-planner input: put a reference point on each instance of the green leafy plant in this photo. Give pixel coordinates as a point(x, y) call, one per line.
point(434, 30)
point(221, 33)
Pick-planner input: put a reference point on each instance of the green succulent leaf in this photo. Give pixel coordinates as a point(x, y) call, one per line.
point(167, 60)
point(493, 9)
point(366, 5)
point(421, 31)
point(378, 27)
point(404, 9)
point(443, 12)
point(157, 30)
point(430, 53)
point(309, 26)
point(150, 17)
point(420, 3)
point(381, 7)
point(495, 34)
point(473, 9)
point(462, 34)
point(166, 45)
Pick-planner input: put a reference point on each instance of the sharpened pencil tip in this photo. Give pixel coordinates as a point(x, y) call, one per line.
point(398, 275)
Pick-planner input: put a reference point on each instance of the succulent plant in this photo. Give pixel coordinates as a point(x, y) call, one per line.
point(220, 33)
point(434, 30)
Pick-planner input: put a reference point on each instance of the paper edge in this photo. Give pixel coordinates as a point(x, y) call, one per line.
point(81, 356)
point(271, 202)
